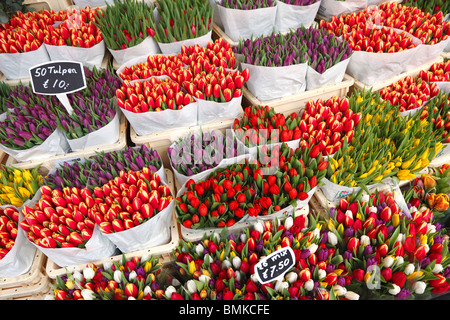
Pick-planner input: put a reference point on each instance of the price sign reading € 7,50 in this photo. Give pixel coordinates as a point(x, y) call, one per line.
point(58, 78)
point(275, 265)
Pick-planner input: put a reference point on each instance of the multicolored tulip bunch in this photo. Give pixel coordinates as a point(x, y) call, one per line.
point(154, 94)
point(9, 219)
point(137, 278)
point(247, 4)
point(262, 125)
point(201, 151)
point(409, 93)
point(125, 23)
point(328, 123)
point(104, 166)
point(18, 185)
point(220, 200)
point(154, 66)
point(182, 20)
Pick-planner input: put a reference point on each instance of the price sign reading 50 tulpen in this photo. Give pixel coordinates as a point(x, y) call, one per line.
point(58, 78)
point(275, 265)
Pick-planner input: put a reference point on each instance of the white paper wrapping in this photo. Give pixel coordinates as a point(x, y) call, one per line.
point(293, 17)
point(175, 47)
point(372, 67)
point(152, 121)
point(16, 65)
point(55, 144)
point(335, 74)
point(245, 24)
point(442, 156)
point(269, 83)
point(335, 192)
point(154, 232)
point(92, 3)
point(211, 111)
point(20, 258)
point(431, 52)
point(329, 8)
point(147, 47)
point(89, 57)
point(107, 135)
point(97, 248)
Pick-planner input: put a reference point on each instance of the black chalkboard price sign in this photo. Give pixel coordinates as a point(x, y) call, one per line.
point(275, 265)
point(57, 77)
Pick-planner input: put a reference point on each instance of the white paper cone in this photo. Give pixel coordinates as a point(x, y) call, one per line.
point(431, 52)
point(92, 3)
point(89, 57)
point(55, 144)
point(147, 47)
point(335, 192)
point(329, 8)
point(16, 65)
point(245, 24)
point(211, 111)
point(175, 47)
point(293, 17)
point(335, 74)
point(269, 83)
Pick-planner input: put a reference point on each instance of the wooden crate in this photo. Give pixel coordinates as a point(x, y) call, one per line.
point(163, 252)
point(296, 103)
point(358, 85)
point(219, 33)
point(30, 285)
point(161, 141)
point(50, 163)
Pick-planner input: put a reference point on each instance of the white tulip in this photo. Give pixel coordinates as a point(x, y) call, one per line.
point(258, 226)
point(401, 238)
point(118, 276)
point(237, 276)
point(236, 262)
point(204, 278)
point(309, 285)
point(365, 198)
point(191, 286)
point(388, 262)
point(398, 261)
point(88, 294)
point(291, 277)
point(438, 268)
point(365, 240)
point(350, 295)
point(431, 228)
point(312, 248)
point(169, 291)
point(88, 273)
point(349, 213)
point(145, 257)
point(132, 275)
point(419, 287)
point(409, 269)
point(254, 278)
point(243, 237)
point(199, 249)
point(395, 290)
point(77, 275)
point(288, 223)
point(226, 264)
point(322, 274)
point(147, 290)
point(176, 282)
point(332, 239)
point(412, 209)
point(339, 290)
point(316, 233)
point(131, 298)
point(281, 285)
point(373, 209)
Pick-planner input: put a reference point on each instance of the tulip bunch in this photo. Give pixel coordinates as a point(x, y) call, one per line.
point(9, 219)
point(129, 200)
point(154, 94)
point(125, 23)
point(220, 85)
point(385, 145)
point(24, 38)
point(18, 185)
point(383, 40)
point(77, 29)
point(439, 71)
point(93, 107)
point(201, 151)
point(222, 267)
point(261, 125)
point(300, 2)
point(393, 254)
point(328, 123)
point(409, 93)
point(219, 201)
point(432, 7)
point(182, 20)
point(31, 119)
point(103, 167)
point(5, 90)
point(248, 4)
point(297, 171)
point(437, 113)
point(59, 219)
point(155, 66)
point(216, 54)
point(318, 48)
point(137, 278)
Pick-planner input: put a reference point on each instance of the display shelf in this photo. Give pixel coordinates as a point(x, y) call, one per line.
point(162, 252)
point(29, 285)
point(161, 141)
point(358, 85)
point(295, 103)
point(49, 163)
